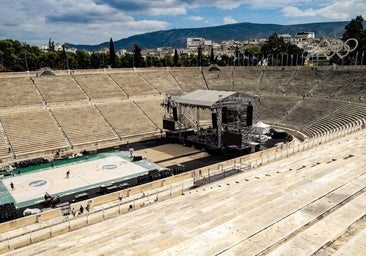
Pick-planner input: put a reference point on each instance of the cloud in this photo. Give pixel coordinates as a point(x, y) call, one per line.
point(94, 21)
point(229, 20)
point(82, 22)
point(153, 8)
point(337, 10)
point(176, 7)
point(296, 12)
point(232, 4)
point(196, 18)
point(271, 4)
point(81, 12)
point(345, 10)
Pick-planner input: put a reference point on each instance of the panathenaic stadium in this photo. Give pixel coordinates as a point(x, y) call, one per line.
point(306, 197)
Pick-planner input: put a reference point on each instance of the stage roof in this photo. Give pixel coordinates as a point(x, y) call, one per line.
point(206, 98)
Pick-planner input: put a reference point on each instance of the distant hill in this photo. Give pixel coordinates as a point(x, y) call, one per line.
point(176, 38)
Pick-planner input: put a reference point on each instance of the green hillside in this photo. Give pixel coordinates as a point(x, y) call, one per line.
point(176, 38)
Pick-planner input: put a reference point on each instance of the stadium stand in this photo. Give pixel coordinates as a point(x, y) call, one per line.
point(282, 78)
point(304, 80)
point(18, 91)
point(319, 191)
point(189, 79)
point(32, 132)
point(5, 149)
point(247, 79)
point(127, 119)
point(221, 80)
point(303, 95)
point(162, 81)
point(336, 80)
point(355, 90)
point(84, 126)
point(133, 84)
point(99, 86)
point(348, 115)
point(271, 112)
point(59, 89)
point(314, 205)
point(152, 109)
point(307, 108)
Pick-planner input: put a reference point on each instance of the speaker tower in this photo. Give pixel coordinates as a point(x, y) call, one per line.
point(175, 114)
point(249, 115)
point(214, 120)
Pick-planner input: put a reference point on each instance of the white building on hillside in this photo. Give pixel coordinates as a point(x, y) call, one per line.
point(300, 36)
point(195, 42)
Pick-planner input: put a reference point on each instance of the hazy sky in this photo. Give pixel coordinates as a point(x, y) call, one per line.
point(96, 21)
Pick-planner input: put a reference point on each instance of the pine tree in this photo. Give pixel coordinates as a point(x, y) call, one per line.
point(212, 56)
point(354, 28)
point(51, 45)
point(176, 57)
point(138, 61)
point(199, 57)
point(112, 54)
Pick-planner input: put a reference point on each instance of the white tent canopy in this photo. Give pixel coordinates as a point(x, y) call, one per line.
point(261, 128)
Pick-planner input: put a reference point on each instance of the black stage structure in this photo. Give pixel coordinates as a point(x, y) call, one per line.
point(218, 121)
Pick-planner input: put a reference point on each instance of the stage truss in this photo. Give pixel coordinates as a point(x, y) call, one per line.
point(221, 119)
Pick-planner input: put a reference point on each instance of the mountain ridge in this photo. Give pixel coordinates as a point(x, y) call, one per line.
point(176, 38)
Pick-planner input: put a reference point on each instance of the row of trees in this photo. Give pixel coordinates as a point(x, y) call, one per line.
point(355, 30)
point(17, 56)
